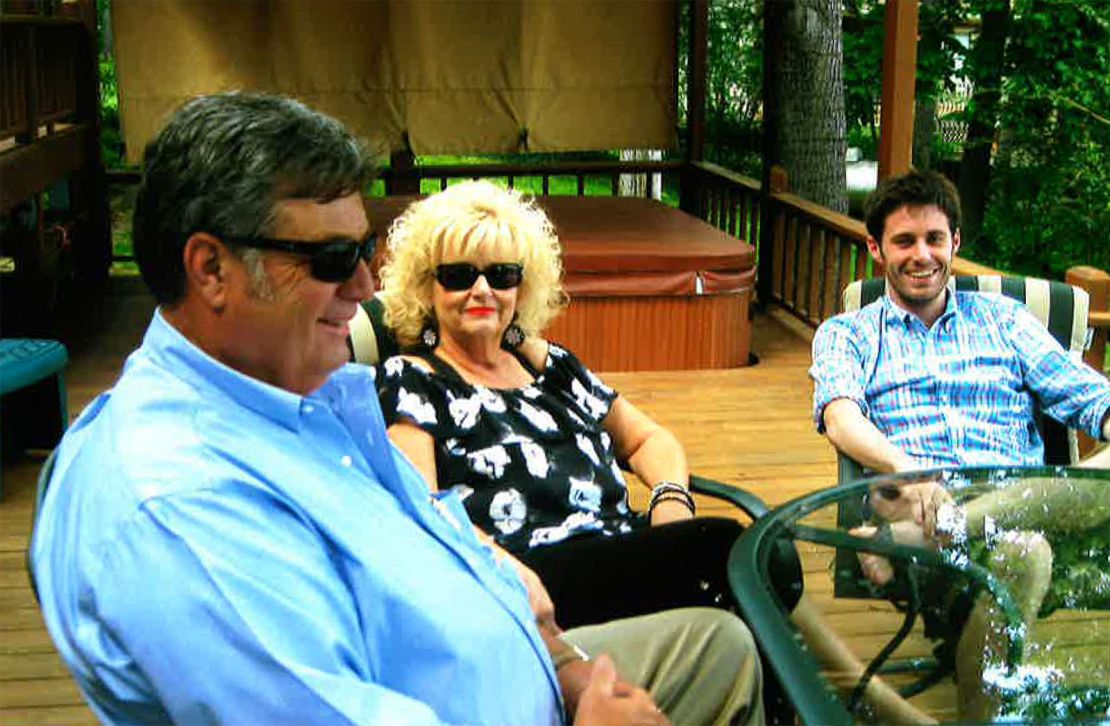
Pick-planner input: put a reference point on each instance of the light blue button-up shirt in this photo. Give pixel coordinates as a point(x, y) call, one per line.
point(216, 550)
point(963, 392)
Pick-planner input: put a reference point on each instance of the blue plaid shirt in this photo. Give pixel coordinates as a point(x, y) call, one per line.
point(963, 392)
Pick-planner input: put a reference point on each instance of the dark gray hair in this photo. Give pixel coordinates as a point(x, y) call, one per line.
point(222, 164)
point(912, 189)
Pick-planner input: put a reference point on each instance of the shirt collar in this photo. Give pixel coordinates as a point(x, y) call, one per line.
point(166, 343)
point(895, 312)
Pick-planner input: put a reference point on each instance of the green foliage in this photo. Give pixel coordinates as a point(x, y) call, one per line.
point(734, 83)
point(111, 136)
point(1049, 203)
point(939, 55)
point(863, 72)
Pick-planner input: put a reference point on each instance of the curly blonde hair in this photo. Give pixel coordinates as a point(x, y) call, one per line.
point(460, 223)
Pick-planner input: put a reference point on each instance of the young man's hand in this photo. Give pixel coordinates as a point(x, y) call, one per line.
point(919, 503)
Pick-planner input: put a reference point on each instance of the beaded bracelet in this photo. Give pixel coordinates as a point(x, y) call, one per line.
point(667, 486)
point(670, 491)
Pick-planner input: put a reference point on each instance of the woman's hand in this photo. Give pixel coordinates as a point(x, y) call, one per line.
point(670, 511)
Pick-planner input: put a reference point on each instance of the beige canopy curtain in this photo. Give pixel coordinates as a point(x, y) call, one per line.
point(450, 76)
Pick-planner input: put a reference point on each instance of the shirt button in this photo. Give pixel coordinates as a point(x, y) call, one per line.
point(345, 461)
point(309, 408)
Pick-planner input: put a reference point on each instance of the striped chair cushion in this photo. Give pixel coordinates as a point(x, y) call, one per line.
point(371, 341)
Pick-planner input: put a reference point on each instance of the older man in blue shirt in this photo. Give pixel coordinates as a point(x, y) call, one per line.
point(228, 535)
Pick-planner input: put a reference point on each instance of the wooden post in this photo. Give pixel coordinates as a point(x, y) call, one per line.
point(1097, 284)
point(690, 193)
point(698, 66)
point(403, 178)
point(899, 70)
point(773, 173)
point(93, 248)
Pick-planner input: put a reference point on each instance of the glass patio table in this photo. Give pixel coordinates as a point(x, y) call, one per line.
point(998, 608)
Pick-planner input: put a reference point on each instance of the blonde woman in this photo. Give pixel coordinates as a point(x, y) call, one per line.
point(520, 429)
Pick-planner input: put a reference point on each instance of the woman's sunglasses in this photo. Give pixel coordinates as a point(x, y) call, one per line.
point(462, 275)
point(334, 261)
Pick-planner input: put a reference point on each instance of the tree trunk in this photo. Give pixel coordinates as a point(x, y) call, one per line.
point(812, 130)
point(924, 128)
point(985, 70)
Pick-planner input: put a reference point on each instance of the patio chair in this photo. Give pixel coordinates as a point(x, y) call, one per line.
point(33, 391)
point(371, 341)
point(1061, 307)
point(45, 473)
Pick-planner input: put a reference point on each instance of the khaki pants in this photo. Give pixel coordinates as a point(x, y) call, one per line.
point(699, 664)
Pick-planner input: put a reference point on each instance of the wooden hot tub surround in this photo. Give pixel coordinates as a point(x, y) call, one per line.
point(651, 287)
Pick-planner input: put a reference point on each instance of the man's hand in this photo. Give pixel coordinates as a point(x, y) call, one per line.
point(877, 568)
point(607, 701)
point(918, 503)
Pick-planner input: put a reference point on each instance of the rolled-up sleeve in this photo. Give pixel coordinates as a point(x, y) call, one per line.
point(837, 368)
point(1069, 391)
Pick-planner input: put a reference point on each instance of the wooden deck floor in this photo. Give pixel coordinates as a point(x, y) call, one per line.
point(749, 427)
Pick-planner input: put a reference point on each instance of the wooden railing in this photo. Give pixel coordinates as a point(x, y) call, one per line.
point(814, 252)
point(724, 198)
point(49, 122)
point(414, 179)
point(39, 74)
point(807, 253)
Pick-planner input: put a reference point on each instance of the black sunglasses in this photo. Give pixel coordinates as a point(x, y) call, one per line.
point(462, 275)
point(334, 261)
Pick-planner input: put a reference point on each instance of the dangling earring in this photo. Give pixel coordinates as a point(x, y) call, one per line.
point(429, 336)
point(513, 336)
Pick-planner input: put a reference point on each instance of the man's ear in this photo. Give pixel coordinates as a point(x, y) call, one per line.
point(206, 268)
point(956, 243)
point(875, 249)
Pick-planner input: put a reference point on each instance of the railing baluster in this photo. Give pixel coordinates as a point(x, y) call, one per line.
point(845, 248)
point(816, 274)
point(791, 281)
point(801, 266)
point(754, 220)
point(742, 230)
point(861, 263)
point(780, 250)
point(615, 185)
point(730, 211)
point(581, 185)
point(546, 184)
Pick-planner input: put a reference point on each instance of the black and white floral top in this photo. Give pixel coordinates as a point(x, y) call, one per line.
point(533, 465)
